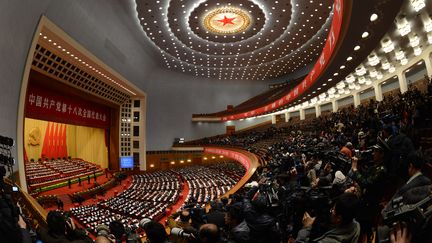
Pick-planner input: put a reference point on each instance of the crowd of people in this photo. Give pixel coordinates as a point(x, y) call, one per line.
point(45, 172)
point(357, 175)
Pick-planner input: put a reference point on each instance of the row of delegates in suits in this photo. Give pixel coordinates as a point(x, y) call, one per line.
point(134, 208)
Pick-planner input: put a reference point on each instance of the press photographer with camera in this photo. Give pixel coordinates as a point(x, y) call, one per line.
point(344, 227)
point(182, 224)
point(62, 229)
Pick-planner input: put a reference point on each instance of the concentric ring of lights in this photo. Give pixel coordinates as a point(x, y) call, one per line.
point(268, 49)
point(234, 14)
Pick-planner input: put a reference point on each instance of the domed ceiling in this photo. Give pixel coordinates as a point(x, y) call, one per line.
point(242, 39)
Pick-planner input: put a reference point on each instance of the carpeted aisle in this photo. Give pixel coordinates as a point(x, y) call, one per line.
point(179, 203)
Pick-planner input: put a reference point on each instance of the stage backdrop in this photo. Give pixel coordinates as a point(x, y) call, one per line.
point(51, 139)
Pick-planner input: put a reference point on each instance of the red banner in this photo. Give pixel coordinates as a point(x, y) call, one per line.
point(239, 157)
point(45, 104)
point(310, 79)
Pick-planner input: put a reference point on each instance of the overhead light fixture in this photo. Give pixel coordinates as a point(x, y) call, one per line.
point(351, 86)
point(404, 61)
point(399, 54)
point(373, 59)
point(357, 87)
point(365, 34)
point(387, 45)
point(331, 91)
point(414, 39)
point(368, 82)
point(373, 17)
point(340, 85)
point(379, 75)
point(417, 51)
point(427, 21)
point(418, 4)
point(356, 48)
point(322, 96)
point(349, 58)
point(340, 91)
point(373, 72)
point(362, 80)
point(403, 25)
point(360, 70)
point(392, 69)
point(385, 64)
point(350, 79)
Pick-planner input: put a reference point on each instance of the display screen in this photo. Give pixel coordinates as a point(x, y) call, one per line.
point(126, 162)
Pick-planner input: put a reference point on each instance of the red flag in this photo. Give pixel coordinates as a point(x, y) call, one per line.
point(45, 148)
point(54, 143)
point(64, 142)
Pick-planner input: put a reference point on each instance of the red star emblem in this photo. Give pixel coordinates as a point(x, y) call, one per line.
point(226, 20)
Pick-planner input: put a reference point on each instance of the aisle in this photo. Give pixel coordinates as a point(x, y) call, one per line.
point(179, 204)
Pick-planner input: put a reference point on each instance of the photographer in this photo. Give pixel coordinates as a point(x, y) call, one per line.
point(61, 229)
point(155, 233)
point(345, 228)
point(184, 224)
point(238, 229)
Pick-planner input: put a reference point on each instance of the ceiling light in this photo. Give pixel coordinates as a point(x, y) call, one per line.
point(331, 91)
point(362, 80)
point(403, 25)
point(337, 95)
point(392, 69)
point(414, 39)
point(379, 75)
point(427, 21)
point(349, 58)
point(360, 70)
point(373, 72)
point(373, 59)
point(356, 48)
point(385, 64)
point(340, 91)
point(368, 82)
point(340, 85)
point(418, 4)
point(399, 54)
point(350, 79)
point(387, 45)
point(373, 17)
point(351, 86)
point(365, 34)
point(417, 50)
point(404, 61)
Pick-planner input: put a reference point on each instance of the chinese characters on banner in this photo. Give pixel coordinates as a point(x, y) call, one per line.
point(45, 104)
point(310, 79)
point(239, 157)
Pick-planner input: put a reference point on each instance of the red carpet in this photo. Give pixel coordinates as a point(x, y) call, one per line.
point(179, 203)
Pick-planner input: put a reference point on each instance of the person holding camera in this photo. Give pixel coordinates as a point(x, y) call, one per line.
point(238, 229)
point(345, 227)
point(61, 229)
point(183, 223)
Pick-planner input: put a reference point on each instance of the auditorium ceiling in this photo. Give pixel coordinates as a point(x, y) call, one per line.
point(236, 40)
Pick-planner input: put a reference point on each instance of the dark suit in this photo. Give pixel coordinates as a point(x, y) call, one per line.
point(410, 192)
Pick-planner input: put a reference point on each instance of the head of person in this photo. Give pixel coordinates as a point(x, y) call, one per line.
point(209, 233)
point(155, 232)
point(234, 215)
point(344, 210)
point(415, 163)
point(117, 229)
point(56, 223)
point(185, 216)
point(349, 145)
point(378, 153)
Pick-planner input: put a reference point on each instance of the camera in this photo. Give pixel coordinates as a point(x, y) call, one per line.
point(15, 189)
point(181, 233)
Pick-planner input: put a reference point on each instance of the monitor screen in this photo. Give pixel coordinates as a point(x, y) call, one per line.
point(126, 162)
